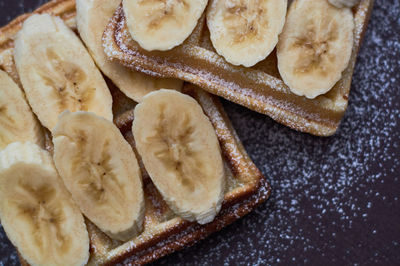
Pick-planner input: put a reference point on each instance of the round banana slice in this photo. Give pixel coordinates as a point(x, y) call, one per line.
point(162, 24)
point(57, 72)
point(245, 32)
point(17, 122)
point(100, 170)
point(37, 212)
point(344, 3)
point(92, 17)
point(315, 46)
point(181, 153)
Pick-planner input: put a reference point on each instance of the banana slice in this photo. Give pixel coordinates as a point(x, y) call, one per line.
point(315, 46)
point(92, 18)
point(181, 153)
point(57, 72)
point(17, 122)
point(37, 212)
point(100, 170)
point(245, 32)
point(344, 3)
point(162, 24)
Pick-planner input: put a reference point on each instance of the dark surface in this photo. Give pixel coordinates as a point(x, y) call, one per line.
point(335, 200)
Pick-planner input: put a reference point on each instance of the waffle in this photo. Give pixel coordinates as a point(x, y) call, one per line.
point(164, 232)
point(259, 88)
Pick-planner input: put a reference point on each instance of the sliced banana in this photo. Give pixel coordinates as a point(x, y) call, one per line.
point(57, 72)
point(92, 18)
point(315, 46)
point(344, 3)
point(162, 24)
point(181, 153)
point(37, 212)
point(17, 122)
point(100, 170)
point(245, 32)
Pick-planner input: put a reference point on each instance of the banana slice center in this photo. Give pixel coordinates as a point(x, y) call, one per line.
point(242, 19)
point(68, 81)
point(162, 10)
point(99, 181)
point(177, 151)
point(39, 205)
point(315, 46)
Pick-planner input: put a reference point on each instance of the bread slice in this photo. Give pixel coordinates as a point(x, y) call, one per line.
point(260, 88)
point(164, 232)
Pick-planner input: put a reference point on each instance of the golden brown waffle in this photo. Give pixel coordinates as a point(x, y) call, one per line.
point(259, 88)
point(164, 232)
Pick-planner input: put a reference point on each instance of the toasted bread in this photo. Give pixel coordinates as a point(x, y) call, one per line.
point(260, 88)
point(164, 232)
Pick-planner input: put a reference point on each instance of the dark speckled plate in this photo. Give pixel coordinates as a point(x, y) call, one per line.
point(335, 200)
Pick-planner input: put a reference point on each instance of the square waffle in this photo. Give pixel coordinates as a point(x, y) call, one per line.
point(259, 88)
point(164, 232)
